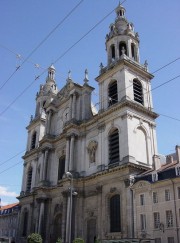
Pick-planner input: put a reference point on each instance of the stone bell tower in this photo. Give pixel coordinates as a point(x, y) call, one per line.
point(125, 89)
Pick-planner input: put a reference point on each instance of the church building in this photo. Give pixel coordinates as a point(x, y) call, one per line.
point(80, 164)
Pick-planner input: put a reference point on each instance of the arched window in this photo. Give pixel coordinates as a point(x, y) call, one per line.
point(113, 93)
point(57, 227)
point(133, 51)
point(91, 230)
point(115, 214)
point(141, 140)
point(37, 109)
point(29, 179)
point(61, 168)
point(122, 48)
point(25, 223)
point(33, 140)
point(114, 147)
point(138, 91)
point(113, 54)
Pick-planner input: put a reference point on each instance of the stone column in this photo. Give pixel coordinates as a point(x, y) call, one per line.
point(45, 165)
point(71, 152)
point(49, 121)
point(64, 217)
point(67, 220)
point(24, 179)
point(41, 216)
point(74, 106)
point(67, 154)
point(70, 107)
point(42, 165)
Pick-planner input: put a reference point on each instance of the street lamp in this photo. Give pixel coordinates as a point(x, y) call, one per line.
point(72, 192)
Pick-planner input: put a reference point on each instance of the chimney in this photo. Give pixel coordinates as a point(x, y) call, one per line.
point(169, 159)
point(156, 162)
point(178, 153)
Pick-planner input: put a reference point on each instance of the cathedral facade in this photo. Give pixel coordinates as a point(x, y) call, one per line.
point(79, 164)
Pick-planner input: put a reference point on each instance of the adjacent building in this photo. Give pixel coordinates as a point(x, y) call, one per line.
point(80, 165)
point(156, 195)
point(9, 215)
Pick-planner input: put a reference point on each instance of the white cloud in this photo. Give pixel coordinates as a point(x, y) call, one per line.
point(4, 192)
point(3, 203)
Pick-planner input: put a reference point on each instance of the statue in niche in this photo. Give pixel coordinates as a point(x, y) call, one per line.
point(92, 147)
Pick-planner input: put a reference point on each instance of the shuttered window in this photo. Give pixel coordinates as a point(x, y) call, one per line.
point(29, 180)
point(138, 91)
point(113, 93)
point(33, 141)
point(114, 147)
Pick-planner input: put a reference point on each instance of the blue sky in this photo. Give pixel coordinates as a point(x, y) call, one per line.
point(24, 24)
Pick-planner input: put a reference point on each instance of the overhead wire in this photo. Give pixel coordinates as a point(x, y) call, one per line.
point(119, 92)
point(35, 64)
point(14, 156)
point(37, 77)
point(170, 117)
point(10, 167)
point(75, 45)
point(37, 47)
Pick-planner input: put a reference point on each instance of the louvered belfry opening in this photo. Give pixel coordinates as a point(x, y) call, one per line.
point(33, 141)
point(113, 55)
point(113, 94)
point(138, 91)
point(114, 147)
point(29, 180)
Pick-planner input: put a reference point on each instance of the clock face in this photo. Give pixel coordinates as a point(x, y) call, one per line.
point(66, 114)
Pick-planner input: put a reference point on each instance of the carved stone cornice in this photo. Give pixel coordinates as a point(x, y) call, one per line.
point(42, 199)
point(123, 61)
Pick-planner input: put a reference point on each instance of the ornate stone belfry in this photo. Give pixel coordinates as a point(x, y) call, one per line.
point(122, 40)
point(125, 83)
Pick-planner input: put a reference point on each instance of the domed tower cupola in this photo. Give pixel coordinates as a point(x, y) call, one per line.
point(50, 86)
point(47, 91)
point(122, 41)
point(120, 11)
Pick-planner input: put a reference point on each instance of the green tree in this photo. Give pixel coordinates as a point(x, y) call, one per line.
point(34, 238)
point(78, 240)
point(59, 240)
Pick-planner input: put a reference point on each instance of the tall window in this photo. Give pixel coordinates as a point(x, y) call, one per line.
point(156, 220)
point(25, 223)
point(115, 217)
point(114, 147)
point(33, 141)
point(122, 48)
point(113, 55)
point(167, 195)
point(29, 179)
point(133, 51)
point(155, 197)
point(143, 221)
point(138, 91)
point(142, 202)
point(61, 168)
point(170, 239)
point(113, 93)
point(169, 218)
